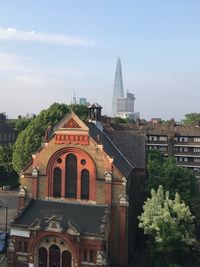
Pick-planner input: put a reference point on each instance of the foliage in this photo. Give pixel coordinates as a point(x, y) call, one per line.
point(169, 223)
point(80, 110)
point(29, 140)
point(7, 173)
point(175, 179)
point(22, 123)
point(191, 118)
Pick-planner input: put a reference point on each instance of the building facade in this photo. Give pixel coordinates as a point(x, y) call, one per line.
point(75, 199)
point(174, 140)
point(7, 133)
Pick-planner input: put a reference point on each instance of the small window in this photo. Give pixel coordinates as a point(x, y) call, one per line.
point(85, 255)
point(91, 257)
point(20, 246)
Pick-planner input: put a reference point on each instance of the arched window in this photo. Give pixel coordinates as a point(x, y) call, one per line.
point(66, 258)
point(54, 256)
point(57, 182)
point(42, 258)
point(85, 184)
point(71, 176)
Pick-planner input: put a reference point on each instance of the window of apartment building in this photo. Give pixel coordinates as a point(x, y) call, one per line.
point(183, 149)
point(162, 138)
point(153, 138)
point(196, 139)
point(196, 149)
point(163, 148)
point(196, 159)
point(182, 159)
point(5, 137)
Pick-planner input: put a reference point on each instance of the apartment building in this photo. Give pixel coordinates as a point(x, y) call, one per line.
point(177, 140)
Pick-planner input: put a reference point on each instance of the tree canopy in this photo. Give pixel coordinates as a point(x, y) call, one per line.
point(191, 118)
point(29, 140)
point(169, 223)
point(7, 173)
point(165, 172)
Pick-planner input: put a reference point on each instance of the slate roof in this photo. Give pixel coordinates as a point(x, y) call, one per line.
point(86, 218)
point(132, 145)
point(119, 160)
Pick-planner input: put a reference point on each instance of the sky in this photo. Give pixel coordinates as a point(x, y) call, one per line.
point(51, 50)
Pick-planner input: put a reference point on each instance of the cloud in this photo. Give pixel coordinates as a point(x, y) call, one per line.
point(12, 34)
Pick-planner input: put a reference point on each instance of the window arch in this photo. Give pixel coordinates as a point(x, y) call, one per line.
point(57, 182)
point(85, 184)
point(71, 176)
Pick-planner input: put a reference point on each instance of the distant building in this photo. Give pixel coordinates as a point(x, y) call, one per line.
point(125, 107)
point(118, 90)
point(7, 133)
point(122, 106)
point(83, 101)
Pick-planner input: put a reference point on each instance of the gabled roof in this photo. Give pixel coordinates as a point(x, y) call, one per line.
point(119, 160)
point(71, 122)
point(85, 218)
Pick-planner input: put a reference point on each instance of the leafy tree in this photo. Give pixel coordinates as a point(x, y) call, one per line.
point(191, 118)
point(80, 110)
point(29, 140)
point(169, 223)
point(175, 179)
point(22, 123)
point(7, 173)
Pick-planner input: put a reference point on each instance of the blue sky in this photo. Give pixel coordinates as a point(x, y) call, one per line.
point(48, 49)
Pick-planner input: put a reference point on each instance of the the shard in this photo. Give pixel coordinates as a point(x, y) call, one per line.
point(118, 90)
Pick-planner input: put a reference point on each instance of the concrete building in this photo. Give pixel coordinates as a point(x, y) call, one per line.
point(125, 107)
point(173, 140)
point(80, 197)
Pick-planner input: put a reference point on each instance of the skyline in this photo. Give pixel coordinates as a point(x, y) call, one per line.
point(49, 50)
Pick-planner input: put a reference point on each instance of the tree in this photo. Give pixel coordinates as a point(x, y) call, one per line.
point(30, 139)
point(169, 223)
point(191, 118)
point(80, 110)
point(7, 173)
point(165, 172)
point(22, 123)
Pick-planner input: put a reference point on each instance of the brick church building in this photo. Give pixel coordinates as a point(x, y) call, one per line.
point(79, 197)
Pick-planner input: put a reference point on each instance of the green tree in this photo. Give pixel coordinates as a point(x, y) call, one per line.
point(7, 173)
point(191, 118)
point(80, 110)
point(173, 178)
point(169, 224)
point(22, 123)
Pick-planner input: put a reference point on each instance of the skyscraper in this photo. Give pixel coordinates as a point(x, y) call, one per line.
point(118, 90)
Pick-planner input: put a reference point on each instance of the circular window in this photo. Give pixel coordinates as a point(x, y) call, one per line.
point(83, 161)
point(59, 160)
